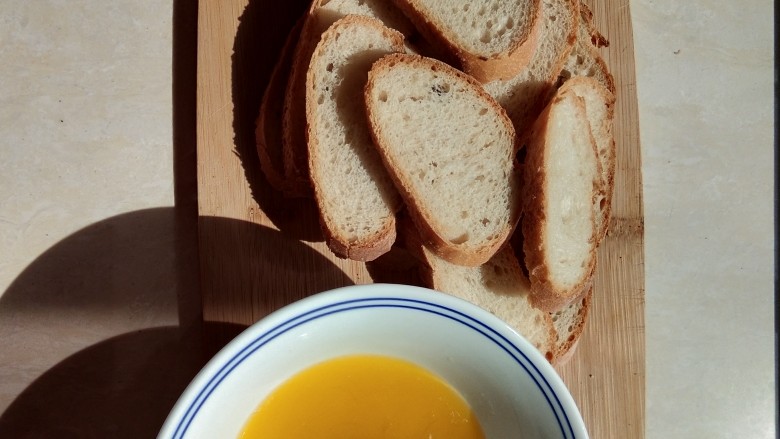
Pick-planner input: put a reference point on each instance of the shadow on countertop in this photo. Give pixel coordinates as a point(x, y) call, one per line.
point(118, 300)
point(107, 299)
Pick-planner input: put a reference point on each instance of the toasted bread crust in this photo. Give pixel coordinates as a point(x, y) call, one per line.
point(418, 212)
point(361, 250)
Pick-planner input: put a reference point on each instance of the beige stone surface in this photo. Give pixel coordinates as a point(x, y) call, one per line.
point(705, 90)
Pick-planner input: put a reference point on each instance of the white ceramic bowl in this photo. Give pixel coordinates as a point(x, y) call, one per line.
point(512, 389)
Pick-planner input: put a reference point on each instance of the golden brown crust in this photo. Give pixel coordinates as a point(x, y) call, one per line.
point(605, 78)
point(365, 250)
point(444, 248)
point(438, 244)
point(371, 247)
point(268, 132)
point(547, 297)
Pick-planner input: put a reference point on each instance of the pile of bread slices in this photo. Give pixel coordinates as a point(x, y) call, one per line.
point(476, 135)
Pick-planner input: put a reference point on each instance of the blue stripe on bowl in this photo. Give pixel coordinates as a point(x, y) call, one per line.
point(380, 302)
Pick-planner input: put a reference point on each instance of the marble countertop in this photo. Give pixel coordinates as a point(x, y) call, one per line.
point(99, 314)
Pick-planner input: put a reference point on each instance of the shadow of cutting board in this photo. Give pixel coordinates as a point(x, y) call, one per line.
point(259, 251)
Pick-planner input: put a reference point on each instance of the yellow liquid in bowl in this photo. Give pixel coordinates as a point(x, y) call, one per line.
point(363, 396)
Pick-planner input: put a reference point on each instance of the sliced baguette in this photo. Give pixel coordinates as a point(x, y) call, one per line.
point(491, 39)
point(321, 15)
point(599, 110)
point(354, 194)
point(586, 62)
point(268, 128)
point(562, 178)
point(450, 151)
point(499, 287)
point(524, 95)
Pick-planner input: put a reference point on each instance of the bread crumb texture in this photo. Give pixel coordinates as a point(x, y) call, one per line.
point(356, 196)
point(450, 147)
point(487, 28)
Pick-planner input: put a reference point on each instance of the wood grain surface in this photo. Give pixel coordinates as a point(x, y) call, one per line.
point(260, 251)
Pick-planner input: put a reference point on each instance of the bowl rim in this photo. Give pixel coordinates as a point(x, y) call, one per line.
point(375, 295)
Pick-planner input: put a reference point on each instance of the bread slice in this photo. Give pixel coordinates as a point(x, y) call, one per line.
point(599, 110)
point(321, 15)
point(562, 178)
point(355, 196)
point(450, 150)
point(524, 95)
point(498, 286)
point(491, 39)
point(584, 61)
point(569, 323)
point(268, 128)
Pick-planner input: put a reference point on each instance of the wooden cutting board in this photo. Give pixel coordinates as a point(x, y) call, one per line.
point(259, 251)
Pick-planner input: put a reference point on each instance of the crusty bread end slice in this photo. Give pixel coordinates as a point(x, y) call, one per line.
point(355, 196)
point(562, 178)
point(450, 149)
